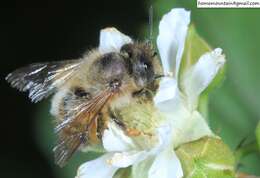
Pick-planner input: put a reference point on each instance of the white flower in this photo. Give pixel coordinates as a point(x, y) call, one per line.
point(183, 122)
point(180, 105)
point(111, 40)
point(123, 152)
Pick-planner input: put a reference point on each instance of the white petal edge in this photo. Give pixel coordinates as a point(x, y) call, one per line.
point(189, 127)
point(111, 40)
point(114, 139)
point(135, 155)
point(168, 98)
point(171, 39)
point(186, 125)
point(167, 90)
point(164, 134)
point(98, 168)
point(166, 165)
point(199, 76)
point(141, 169)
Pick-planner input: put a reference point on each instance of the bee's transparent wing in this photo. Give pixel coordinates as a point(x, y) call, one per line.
point(41, 79)
point(79, 126)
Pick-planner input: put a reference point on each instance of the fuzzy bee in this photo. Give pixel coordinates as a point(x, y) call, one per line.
point(89, 92)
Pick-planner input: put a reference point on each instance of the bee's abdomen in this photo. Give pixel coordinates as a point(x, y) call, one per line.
point(69, 103)
point(66, 99)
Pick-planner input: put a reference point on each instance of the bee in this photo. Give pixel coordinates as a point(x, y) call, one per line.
point(88, 92)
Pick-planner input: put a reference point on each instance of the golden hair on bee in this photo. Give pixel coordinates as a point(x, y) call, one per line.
point(89, 92)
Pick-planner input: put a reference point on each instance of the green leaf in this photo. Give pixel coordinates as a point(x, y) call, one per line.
point(257, 132)
point(207, 157)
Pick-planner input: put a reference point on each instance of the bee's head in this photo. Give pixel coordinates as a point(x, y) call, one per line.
point(143, 66)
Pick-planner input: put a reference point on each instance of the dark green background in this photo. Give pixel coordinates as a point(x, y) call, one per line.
point(54, 30)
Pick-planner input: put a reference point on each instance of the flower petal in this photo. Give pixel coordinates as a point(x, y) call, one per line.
point(111, 40)
point(114, 139)
point(188, 127)
point(199, 76)
point(171, 39)
point(125, 159)
point(165, 137)
point(167, 90)
point(166, 165)
point(140, 170)
point(98, 168)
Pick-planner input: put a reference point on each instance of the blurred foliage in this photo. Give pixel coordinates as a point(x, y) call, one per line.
point(233, 107)
point(257, 132)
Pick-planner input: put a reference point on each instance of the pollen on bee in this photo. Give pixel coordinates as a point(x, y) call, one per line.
point(133, 132)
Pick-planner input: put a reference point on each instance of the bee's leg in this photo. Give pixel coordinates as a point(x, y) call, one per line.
point(101, 125)
point(144, 94)
point(132, 132)
point(112, 115)
point(138, 93)
point(92, 129)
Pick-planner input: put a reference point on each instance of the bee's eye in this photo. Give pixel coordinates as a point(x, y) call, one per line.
point(115, 84)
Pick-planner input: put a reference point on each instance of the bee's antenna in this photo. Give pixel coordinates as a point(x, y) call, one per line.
point(151, 24)
point(158, 76)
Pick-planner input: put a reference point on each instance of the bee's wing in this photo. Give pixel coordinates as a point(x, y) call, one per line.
point(41, 79)
point(79, 126)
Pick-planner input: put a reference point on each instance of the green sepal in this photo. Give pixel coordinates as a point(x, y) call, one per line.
point(207, 157)
point(195, 47)
point(123, 173)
